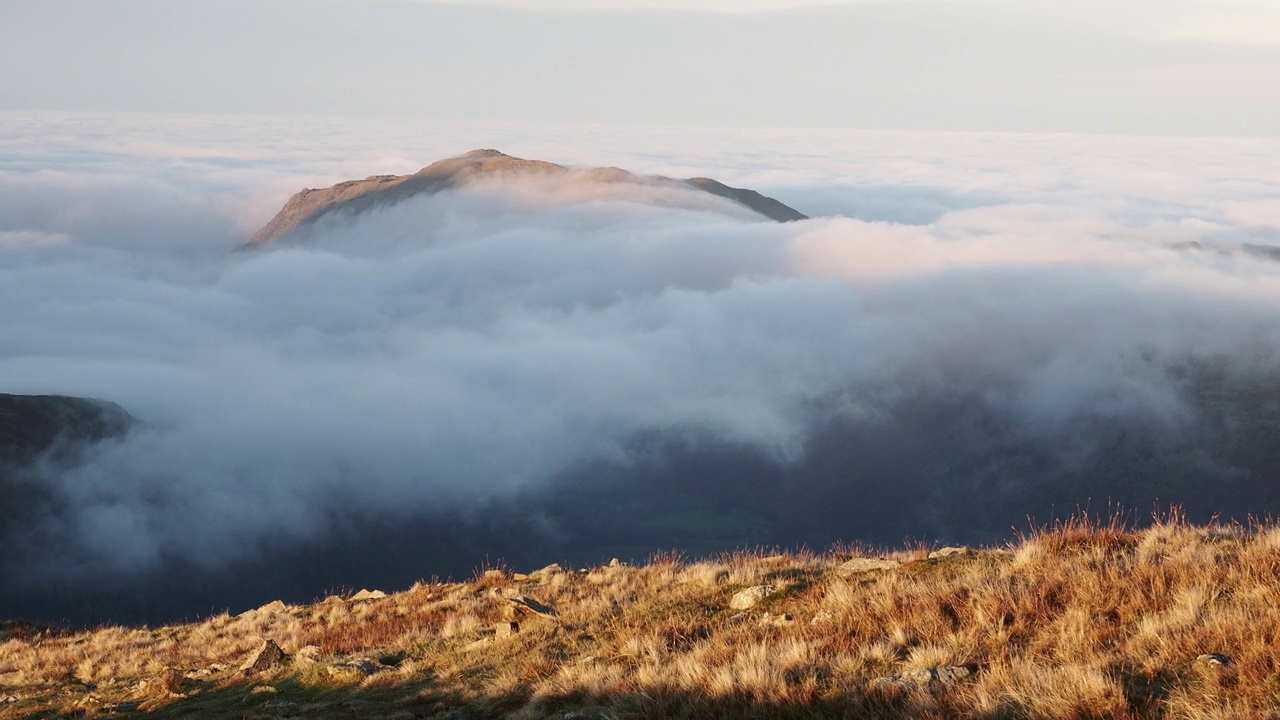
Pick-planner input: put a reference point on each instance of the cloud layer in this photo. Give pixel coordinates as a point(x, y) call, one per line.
point(486, 341)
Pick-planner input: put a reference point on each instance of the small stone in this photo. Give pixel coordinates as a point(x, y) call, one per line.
point(860, 566)
point(264, 658)
point(925, 678)
point(367, 595)
point(506, 629)
point(521, 577)
point(780, 620)
point(274, 606)
point(1214, 660)
point(364, 666)
point(947, 552)
point(750, 597)
point(494, 575)
point(615, 562)
point(263, 690)
point(8, 700)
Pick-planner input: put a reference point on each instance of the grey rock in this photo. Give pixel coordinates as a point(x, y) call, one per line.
point(264, 658)
point(363, 665)
point(522, 607)
point(925, 678)
point(947, 552)
point(861, 566)
point(750, 597)
point(1213, 660)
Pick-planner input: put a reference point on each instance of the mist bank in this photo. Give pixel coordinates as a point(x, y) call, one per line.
point(529, 372)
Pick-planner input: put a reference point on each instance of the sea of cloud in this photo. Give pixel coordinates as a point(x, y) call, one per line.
point(460, 346)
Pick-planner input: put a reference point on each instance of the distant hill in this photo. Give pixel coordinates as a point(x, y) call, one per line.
point(34, 424)
point(356, 196)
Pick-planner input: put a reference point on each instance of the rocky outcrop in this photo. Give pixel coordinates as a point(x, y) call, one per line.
point(357, 196)
point(267, 656)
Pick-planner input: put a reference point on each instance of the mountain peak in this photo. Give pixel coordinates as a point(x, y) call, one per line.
point(356, 196)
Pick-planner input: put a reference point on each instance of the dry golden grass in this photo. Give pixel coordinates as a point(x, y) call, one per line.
point(1082, 620)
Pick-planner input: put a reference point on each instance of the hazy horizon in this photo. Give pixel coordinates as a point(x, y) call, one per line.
point(1195, 67)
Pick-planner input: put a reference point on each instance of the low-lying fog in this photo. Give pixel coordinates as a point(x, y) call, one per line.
point(971, 330)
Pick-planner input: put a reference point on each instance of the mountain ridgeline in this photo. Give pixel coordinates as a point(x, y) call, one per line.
point(358, 196)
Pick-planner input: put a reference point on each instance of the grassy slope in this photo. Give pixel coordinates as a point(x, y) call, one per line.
point(1083, 620)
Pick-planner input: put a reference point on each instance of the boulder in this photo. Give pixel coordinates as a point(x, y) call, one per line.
point(308, 655)
point(522, 607)
point(264, 658)
point(367, 595)
point(861, 566)
point(750, 597)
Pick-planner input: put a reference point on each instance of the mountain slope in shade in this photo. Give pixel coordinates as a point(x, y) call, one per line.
point(356, 196)
point(33, 424)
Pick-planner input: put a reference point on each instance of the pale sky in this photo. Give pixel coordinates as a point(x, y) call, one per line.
point(1202, 67)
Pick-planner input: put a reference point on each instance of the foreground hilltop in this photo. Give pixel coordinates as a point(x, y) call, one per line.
point(356, 196)
point(1083, 620)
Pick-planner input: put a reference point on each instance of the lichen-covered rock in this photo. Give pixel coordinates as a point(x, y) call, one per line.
point(947, 552)
point(861, 566)
point(362, 665)
point(264, 658)
point(750, 597)
point(925, 678)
